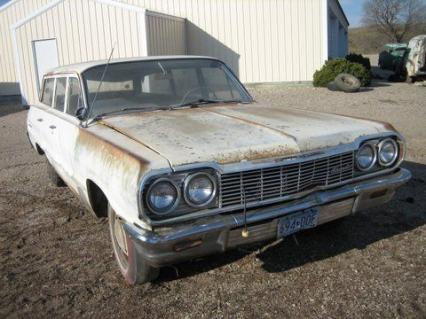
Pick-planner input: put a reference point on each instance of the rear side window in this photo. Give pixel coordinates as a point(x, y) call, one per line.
point(74, 96)
point(61, 84)
point(47, 97)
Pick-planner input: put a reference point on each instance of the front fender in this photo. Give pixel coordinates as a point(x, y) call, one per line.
point(116, 165)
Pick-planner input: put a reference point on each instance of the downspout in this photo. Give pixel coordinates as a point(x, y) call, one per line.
point(325, 14)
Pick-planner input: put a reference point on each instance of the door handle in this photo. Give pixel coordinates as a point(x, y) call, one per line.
point(52, 127)
point(40, 120)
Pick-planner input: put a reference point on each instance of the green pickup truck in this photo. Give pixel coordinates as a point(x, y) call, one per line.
point(392, 55)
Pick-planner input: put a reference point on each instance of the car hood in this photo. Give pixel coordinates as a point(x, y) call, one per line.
point(233, 133)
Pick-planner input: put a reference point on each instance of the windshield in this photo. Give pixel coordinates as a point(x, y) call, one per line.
point(161, 84)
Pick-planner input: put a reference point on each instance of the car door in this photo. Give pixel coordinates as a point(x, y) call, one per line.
point(37, 122)
point(67, 130)
point(51, 124)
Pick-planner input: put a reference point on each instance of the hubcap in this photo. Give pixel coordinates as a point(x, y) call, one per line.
point(120, 235)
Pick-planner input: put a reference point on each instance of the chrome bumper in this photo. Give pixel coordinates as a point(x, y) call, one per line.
point(217, 234)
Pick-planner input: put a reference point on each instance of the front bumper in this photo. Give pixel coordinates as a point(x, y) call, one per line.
point(217, 234)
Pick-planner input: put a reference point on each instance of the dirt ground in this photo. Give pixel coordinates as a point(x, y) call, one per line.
point(56, 260)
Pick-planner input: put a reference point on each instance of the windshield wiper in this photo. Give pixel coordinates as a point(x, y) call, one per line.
point(125, 109)
point(195, 103)
point(202, 101)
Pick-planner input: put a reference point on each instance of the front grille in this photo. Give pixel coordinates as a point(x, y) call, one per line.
point(280, 181)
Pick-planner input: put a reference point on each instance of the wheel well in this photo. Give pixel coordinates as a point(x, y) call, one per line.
point(97, 198)
point(39, 149)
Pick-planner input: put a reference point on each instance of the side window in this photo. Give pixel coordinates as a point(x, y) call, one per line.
point(47, 96)
point(74, 96)
point(61, 84)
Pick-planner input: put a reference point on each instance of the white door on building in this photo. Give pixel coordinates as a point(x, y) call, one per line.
point(45, 58)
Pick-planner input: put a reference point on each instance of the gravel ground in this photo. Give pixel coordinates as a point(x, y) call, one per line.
point(56, 259)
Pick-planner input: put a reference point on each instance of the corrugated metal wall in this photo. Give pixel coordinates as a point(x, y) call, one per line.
point(85, 30)
point(262, 40)
point(166, 35)
point(9, 16)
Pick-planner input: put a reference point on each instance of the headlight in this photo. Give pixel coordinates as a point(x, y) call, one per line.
point(200, 189)
point(388, 152)
point(162, 196)
point(366, 157)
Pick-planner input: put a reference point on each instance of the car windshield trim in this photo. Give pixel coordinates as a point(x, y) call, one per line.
point(238, 93)
point(157, 108)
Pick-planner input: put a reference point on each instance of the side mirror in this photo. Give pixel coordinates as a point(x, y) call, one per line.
point(81, 113)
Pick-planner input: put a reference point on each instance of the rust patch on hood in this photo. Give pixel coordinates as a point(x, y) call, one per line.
point(136, 140)
point(195, 135)
point(311, 130)
point(385, 125)
point(254, 123)
point(255, 155)
point(238, 132)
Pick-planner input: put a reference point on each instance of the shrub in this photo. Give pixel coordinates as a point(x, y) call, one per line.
point(333, 68)
point(358, 58)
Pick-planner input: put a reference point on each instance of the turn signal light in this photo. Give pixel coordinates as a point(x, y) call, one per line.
point(187, 245)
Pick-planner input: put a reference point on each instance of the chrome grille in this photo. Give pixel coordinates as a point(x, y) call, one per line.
point(280, 181)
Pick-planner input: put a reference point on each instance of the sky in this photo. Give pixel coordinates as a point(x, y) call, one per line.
point(353, 10)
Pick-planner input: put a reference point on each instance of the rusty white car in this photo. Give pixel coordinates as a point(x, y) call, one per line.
point(184, 163)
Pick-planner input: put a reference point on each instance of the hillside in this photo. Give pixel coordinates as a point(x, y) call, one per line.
point(367, 40)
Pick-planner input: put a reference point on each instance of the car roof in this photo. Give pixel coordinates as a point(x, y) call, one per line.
point(81, 67)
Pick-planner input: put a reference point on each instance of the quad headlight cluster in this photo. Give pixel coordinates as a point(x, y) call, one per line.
point(172, 195)
point(376, 154)
point(192, 191)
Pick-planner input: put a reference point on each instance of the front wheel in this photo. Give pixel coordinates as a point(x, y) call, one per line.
point(133, 266)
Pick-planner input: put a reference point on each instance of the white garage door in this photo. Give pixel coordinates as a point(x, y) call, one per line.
point(45, 57)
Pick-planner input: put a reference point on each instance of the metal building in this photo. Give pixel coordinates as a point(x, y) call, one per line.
point(261, 40)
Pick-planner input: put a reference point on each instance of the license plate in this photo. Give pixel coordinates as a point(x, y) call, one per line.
point(299, 221)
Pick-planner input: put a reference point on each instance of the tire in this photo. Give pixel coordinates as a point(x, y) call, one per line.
point(410, 79)
point(54, 178)
point(332, 86)
point(132, 266)
point(347, 83)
